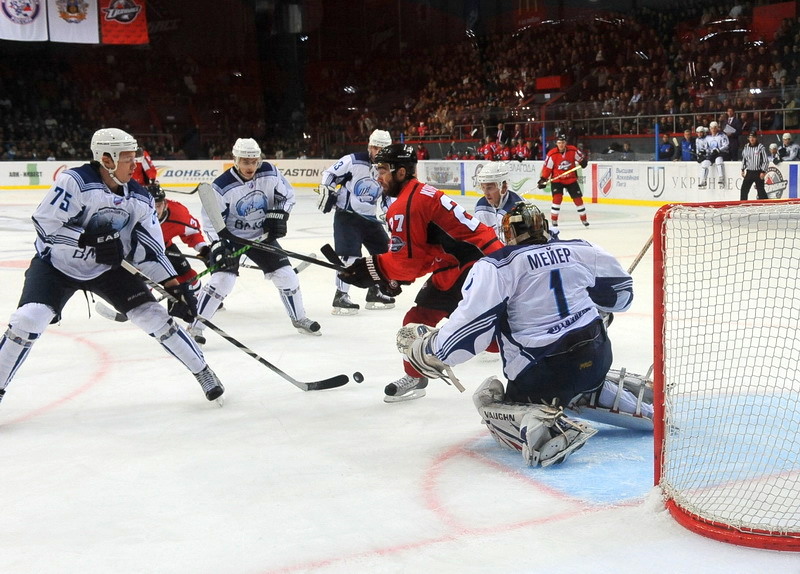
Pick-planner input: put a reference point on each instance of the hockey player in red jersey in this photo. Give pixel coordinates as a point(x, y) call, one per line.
point(176, 221)
point(430, 234)
point(145, 171)
point(560, 160)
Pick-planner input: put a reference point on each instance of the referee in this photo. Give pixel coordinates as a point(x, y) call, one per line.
point(754, 167)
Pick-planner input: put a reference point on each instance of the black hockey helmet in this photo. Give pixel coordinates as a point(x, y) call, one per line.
point(525, 223)
point(156, 191)
point(397, 156)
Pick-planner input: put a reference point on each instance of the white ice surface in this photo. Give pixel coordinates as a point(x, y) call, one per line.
point(112, 460)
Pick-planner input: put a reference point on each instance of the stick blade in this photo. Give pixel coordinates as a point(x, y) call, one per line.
point(331, 383)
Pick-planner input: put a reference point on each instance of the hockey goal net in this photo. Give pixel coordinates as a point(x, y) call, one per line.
point(727, 369)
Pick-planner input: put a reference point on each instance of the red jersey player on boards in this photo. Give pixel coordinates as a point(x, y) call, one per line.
point(560, 160)
point(430, 233)
point(176, 221)
point(145, 171)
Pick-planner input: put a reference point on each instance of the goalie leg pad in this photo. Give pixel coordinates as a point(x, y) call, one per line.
point(550, 437)
point(624, 400)
point(503, 421)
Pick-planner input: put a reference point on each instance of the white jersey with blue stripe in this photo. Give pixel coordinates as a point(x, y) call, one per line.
point(360, 191)
point(244, 204)
point(530, 297)
point(80, 202)
point(492, 217)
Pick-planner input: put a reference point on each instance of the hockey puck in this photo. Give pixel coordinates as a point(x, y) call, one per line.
point(358, 377)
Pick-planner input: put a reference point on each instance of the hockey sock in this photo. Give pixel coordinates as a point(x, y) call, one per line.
point(180, 345)
point(555, 209)
point(14, 348)
point(347, 260)
point(581, 208)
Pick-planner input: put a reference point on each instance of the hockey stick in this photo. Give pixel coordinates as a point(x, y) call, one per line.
point(181, 191)
point(560, 175)
point(298, 269)
point(609, 316)
point(207, 197)
point(329, 383)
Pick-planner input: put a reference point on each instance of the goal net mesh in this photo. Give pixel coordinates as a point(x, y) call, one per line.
point(730, 360)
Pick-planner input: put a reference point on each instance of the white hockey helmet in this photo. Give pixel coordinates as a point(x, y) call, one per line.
point(380, 138)
point(246, 148)
point(111, 141)
point(494, 172)
point(787, 136)
point(713, 125)
point(701, 129)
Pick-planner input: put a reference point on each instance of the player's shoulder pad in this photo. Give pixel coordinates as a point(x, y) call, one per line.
point(361, 157)
point(140, 192)
point(266, 168)
point(482, 203)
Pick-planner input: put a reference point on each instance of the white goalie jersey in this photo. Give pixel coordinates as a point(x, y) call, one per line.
point(529, 297)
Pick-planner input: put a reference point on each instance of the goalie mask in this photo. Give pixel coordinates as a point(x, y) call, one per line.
point(525, 223)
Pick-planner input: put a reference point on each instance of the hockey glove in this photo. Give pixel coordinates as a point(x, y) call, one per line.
point(783, 152)
point(185, 304)
point(776, 160)
point(204, 254)
point(222, 257)
point(542, 183)
point(701, 157)
point(583, 163)
point(327, 198)
point(108, 248)
point(415, 341)
point(365, 273)
point(275, 223)
point(714, 155)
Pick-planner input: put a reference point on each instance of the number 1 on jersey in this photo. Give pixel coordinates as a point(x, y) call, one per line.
point(558, 292)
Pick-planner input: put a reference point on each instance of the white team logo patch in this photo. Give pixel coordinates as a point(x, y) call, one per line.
point(21, 11)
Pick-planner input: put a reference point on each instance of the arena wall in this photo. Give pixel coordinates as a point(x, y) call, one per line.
point(622, 183)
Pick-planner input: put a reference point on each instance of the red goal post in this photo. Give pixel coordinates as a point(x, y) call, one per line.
point(727, 369)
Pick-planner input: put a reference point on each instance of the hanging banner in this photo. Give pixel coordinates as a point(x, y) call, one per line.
point(73, 21)
point(123, 22)
point(23, 20)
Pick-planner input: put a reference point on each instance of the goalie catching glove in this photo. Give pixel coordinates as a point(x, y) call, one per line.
point(184, 304)
point(415, 341)
point(365, 272)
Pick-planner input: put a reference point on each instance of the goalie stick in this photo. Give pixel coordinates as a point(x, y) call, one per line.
point(329, 383)
point(209, 201)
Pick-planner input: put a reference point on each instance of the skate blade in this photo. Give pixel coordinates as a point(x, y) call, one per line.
point(409, 396)
point(374, 306)
point(343, 312)
point(220, 401)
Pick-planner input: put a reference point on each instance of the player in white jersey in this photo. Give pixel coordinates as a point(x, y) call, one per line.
point(355, 221)
point(92, 218)
point(702, 151)
point(254, 199)
point(497, 199)
point(718, 150)
point(542, 300)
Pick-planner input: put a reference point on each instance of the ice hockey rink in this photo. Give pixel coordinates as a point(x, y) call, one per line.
point(113, 461)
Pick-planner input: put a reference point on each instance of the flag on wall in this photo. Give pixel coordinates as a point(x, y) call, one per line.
point(73, 21)
point(23, 20)
point(123, 22)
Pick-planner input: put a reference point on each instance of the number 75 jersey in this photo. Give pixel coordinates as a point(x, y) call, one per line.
point(532, 296)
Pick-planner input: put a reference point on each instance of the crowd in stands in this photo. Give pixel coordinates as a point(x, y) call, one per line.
point(624, 71)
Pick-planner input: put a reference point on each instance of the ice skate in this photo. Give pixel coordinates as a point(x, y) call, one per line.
point(342, 305)
point(406, 388)
point(585, 222)
point(211, 384)
point(2, 394)
point(377, 300)
point(702, 184)
point(307, 327)
point(197, 335)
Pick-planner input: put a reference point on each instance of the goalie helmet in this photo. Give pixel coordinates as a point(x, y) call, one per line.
point(156, 191)
point(397, 156)
point(495, 172)
point(380, 138)
point(111, 141)
point(525, 223)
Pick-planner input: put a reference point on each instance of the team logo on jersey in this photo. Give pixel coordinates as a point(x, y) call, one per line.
point(367, 190)
point(107, 220)
point(656, 180)
point(250, 203)
point(123, 11)
point(72, 11)
point(396, 244)
point(774, 184)
point(21, 11)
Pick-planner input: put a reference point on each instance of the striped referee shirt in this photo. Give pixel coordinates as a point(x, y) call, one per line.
point(754, 158)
